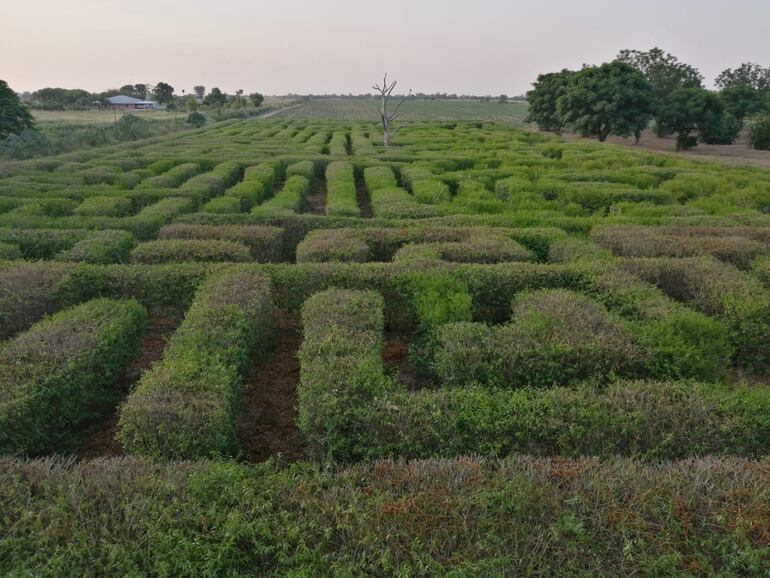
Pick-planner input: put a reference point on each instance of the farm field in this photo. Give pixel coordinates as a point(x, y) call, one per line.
point(275, 347)
point(414, 110)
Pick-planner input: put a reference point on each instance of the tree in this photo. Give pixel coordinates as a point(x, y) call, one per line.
point(199, 90)
point(256, 99)
point(387, 118)
point(14, 115)
point(687, 111)
point(742, 100)
point(542, 99)
point(503, 98)
point(215, 98)
point(613, 98)
point(196, 119)
point(747, 74)
point(61, 98)
point(759, 133)
point(163, 93)
point(662, 70)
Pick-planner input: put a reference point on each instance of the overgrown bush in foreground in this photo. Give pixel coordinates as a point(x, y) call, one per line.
point(465, 517)
point(184, 406)
point(52, 374)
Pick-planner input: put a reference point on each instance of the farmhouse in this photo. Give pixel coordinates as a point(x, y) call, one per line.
point(122, 102)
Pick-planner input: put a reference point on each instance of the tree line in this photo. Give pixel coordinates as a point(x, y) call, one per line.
point(640, 89)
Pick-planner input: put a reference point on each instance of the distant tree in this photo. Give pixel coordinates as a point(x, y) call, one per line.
point(687, 111)
point(613, 98)
point(62, 98)
point(747, 74)
point(163, 93)
point(387, 117)
point(142, 90)
point(542, 99)
point(759, 133)
point(742, 100)
point(256, 99)
point(662, 70)
point(215, 98)
point(199, 90)
point(14, 115)
point(196, 119)
point(503, 98)
point(191, 104)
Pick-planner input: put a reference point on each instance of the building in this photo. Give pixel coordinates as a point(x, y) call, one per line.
point(122, 102)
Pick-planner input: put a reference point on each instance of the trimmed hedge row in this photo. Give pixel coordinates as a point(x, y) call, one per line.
point(264, 242)
point(51, 375)
point(256, 186)
point(350, 408)
point(184, 407)
point(179, 250)
point(100, 247)
point(290, 199)
point(341, 199)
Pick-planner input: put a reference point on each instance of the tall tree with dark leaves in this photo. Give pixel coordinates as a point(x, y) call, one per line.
point(14, 115)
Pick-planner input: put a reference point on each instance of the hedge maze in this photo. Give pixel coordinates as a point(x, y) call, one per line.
point(474, 290)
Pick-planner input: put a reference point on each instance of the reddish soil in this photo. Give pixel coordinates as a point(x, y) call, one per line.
point(362, 195)
point(99, 439)
point(316, 200)
point(395, 354)
point(267, 425)
point(736, 154)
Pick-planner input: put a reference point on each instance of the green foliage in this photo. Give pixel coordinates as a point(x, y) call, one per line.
point(543, 99)
point(176, 250)
point(196, 119)
point(611, 99)
point(185, 406)
point(688, 111)
point(662, 70)
point(163, 93)
point(759, 133)
point(747, 74)
point(742, 100)
point(14, 115)
point(53, 374)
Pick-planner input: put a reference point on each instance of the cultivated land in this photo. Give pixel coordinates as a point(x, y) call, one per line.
point(482, 351)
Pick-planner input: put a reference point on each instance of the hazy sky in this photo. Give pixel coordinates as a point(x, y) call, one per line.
point(280, 46)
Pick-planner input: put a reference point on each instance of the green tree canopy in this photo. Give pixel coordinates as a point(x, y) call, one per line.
point(687, 111)
point(256, 99)
point(542, 99)
point(61, 98)
point(613, 98)
point(742, 100)
point(14, 115)
point(199, 90)
point(163, 93)
point(215, 98)
point(662, 70)
point(747, 74)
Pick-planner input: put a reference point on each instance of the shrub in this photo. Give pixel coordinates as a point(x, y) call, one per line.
point(341, 196)
point(185, 406)
point(264, 242)
point(223, 205)
point(333, 245)
point(101, 247)
point(104, 207)
point(28, 291)
point(176, 250)
point(196, 119)
point(9, 251)
point(290, 199)
point(52, 374)
point(431, 191)
point(759, 133)
point(303, 169)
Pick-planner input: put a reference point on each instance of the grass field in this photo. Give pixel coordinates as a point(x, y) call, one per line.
point(274, 347)
point(367, 110)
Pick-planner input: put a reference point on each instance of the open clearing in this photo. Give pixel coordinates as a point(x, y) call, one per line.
point(269, 347)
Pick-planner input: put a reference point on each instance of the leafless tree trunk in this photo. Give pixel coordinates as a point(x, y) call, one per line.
point(387, 118)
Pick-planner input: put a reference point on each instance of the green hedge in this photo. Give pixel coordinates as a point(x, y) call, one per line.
point(179, 250)
point(28, 291)
point(264, 242)
point(185, 405)
point(341, 196)
point(100, 247)
point(290, 199)
point(52, 374)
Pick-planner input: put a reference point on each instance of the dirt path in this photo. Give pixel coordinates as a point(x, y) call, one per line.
point(364, 201)
point(99, 439)
point(267, 425)
point(278, 111)
point(736, 154)
point(316, 200)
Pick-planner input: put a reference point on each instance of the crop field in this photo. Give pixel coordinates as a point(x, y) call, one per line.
point(275, 347)
point(414, 110)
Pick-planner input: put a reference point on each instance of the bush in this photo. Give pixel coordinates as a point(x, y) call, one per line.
point(341, 195)
point(185, 406)
point(28, 291)
point(325, 245)
point(303, 169)
point(104, 207)
point(290, 199)
point(100, 247)
point(223, 205)
point(265, 242)
point(177, 250)
point(431, 191)
point(52, 374)
point(9, 251)
point(196, 119)
point(759, 133)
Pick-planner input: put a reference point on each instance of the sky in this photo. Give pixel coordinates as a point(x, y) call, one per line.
point(340, 46)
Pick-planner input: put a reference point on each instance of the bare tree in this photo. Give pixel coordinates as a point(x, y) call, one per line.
point(387, 118)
